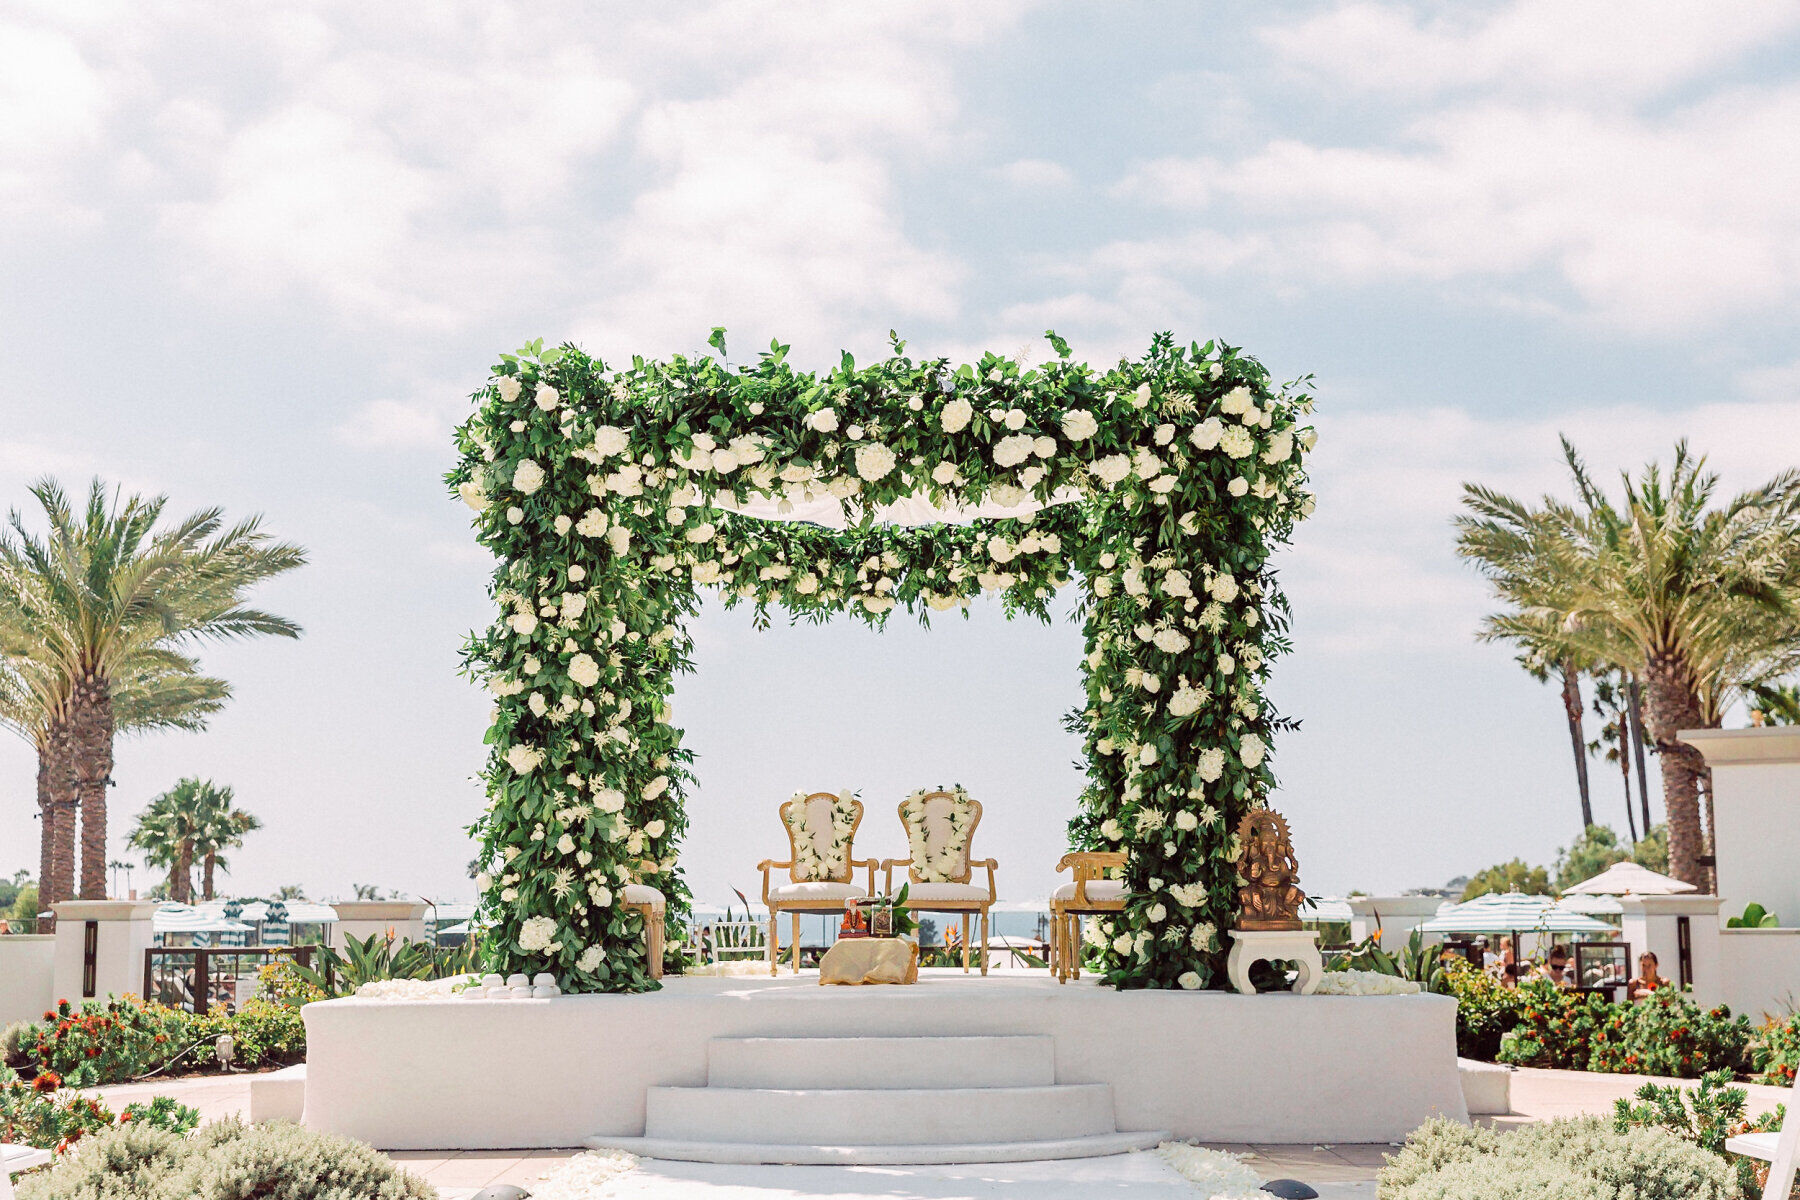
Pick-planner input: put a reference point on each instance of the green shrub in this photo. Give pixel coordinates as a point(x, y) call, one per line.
point(264, 1033)
point(1555, 1027)
point(42, 1113)
point(104, 1041)
point(127, 1163)
point(1485, 1011)
point(224, 1161)
point(1579, 1159)
point(1776, 1052)
point(1668, 1034)
point(1704, 1116)
point(12, 1045)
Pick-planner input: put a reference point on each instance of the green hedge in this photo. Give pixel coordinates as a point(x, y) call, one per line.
point(1578, 1159)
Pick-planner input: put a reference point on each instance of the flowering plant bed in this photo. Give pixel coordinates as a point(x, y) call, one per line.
point(610, 495)
point(42, 1113)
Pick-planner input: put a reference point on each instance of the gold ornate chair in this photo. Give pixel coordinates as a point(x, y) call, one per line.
point(934, 822)
point(1091, 893)
point(649, 903)
point(821, 831)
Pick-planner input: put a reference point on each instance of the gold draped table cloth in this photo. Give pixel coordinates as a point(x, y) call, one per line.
point(870, 960)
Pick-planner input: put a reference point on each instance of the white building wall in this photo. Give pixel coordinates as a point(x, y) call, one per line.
point(1761, 969)
point(27, 977)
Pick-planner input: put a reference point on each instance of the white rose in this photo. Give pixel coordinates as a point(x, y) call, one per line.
point(1157, 914)
point(610, 440)
point(1078, 425)
point(1164, 434)
point(1280, 446)
point(1189, 981)
point(1121, 944)
point(1110, 830)
point(807, 584)
point(523, 623)
point(1237, 442)
point(590, 959)
point(609, 800)
point(874, 461)
point(508, 387)
point(620, 538)
point(546, 397)
point(1012, 450)
point(1207, 433)
point(1223, 588)
point(472, 495)
point(943, 473)
point(724, 462)
point(656, 787)
point(1210, 764)
point(565, 844)
point(702, 532)
point(1186, 820)
point(1014, 419)
point(1170, 641)
point(823, 421)
point(956, 415)
point(528, 477)
point(1238, 486)
point(1111, 469)
point(523, 759)
point(584, 670)
point(1251, 750)
point(1001, 550)
point(1309, 438)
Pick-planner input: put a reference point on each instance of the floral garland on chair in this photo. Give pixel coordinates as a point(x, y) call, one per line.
point(809, 864)
point(947, 864)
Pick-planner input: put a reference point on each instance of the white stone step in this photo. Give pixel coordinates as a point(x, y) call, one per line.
point(746, 1153)
point(872, 1116)
point(882, 1062)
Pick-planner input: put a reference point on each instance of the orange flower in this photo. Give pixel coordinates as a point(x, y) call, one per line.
point(47, 1081)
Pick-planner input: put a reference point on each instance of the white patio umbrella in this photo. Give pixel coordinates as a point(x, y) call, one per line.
point(1593, 906)
point(1512, 912)
point(1323, 909)
point(1630, 879)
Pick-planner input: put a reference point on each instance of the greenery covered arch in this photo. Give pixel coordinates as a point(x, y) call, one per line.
point(606, 495)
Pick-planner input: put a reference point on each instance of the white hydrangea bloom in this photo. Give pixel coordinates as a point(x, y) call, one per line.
point(1012, 450)
point(610, 440)
point(956, 415)
point(547, 397)
point(584, 670)
point(528, 477)
point(1237, 442)
point(1251, 750)
point(874, 461)
point(823, 421)
point(1207, 433)
point(1078, 424)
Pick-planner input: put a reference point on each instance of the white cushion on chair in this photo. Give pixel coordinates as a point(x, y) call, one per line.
point(1102, 890)
point(643, 893)
point(816, 890)
point(920, 893)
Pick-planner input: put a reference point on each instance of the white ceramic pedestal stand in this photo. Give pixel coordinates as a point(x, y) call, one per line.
point(1270, 945)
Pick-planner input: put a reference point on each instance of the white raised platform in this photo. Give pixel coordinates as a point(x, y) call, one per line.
point(473, 1074)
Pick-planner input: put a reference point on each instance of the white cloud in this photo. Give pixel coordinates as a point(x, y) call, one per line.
point(52, 109)
point(391, 424)
point(1596, 49)
point(1375, 569)
point(1034, 174)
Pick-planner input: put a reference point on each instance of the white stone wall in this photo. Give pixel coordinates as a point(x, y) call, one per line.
point(1756, 781)
point(1761, 969)
point(27, 977)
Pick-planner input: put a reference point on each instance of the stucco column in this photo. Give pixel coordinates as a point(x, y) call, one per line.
point(1655, 923)
point(100, 947)
point(405, 919)
point(1395, 916)
point(1756, 802)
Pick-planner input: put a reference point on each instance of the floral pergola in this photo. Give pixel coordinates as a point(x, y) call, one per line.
point(1157, 487)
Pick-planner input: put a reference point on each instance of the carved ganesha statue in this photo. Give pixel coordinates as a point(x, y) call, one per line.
point(1270, 897)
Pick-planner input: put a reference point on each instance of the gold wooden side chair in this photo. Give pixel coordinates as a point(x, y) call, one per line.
point(943, 884)
point(1091, 893)
point(821, 831)
point(649, 903)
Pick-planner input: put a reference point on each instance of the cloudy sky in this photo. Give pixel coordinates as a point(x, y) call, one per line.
point(259, 256)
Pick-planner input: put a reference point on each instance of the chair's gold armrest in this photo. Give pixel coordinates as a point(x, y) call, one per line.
point(765, 866)
point(887, 868)
point(992, 865)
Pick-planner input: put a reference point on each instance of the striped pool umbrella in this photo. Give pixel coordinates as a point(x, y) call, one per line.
point(275, 930)
point(1512, 912)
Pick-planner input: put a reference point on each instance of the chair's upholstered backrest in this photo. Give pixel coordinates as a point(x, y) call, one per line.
point(934, 810)
point(815, 824)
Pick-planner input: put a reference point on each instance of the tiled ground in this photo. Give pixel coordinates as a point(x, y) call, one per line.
point(1536, 1095)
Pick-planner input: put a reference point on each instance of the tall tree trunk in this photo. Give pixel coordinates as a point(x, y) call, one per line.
point(91, 725)
point(46, 799)
point(181, 875)
point(1636, 692)
point(1674, 705)
point(211, 861)
point(63, 813)
point(1571, 690)
point(1625, 774)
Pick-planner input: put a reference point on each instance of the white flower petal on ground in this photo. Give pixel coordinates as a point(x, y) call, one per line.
point(583, 1177)
point(1216, 1174)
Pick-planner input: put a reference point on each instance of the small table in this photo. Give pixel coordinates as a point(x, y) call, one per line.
point(870, 960)
point(1300, 946)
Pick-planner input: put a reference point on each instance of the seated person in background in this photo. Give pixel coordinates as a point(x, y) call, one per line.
point(1556, 970)
point(1647, 981)
point(1509, 975)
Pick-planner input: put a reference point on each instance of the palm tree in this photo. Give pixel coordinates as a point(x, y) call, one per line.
point(166, 832)
point(158, 692)
point(106, 592)
point(1697, 602)
point(1511, 542)
point(221, 828)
